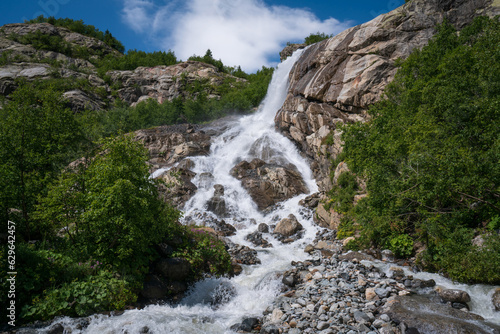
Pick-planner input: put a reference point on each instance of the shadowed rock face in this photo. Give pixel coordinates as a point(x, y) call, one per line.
point(336, 80)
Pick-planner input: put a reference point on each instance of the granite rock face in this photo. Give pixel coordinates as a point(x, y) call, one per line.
point(336, 80)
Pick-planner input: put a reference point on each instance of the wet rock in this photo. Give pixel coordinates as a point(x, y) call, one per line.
point(310, 201)
point(496, 299)
point(263, 228)
point(175, 269)
point(248, 324)
point(217, 204)
point(429, 317)
point(154, 288)
point(269, 329)
point(56, 329)
point(387, 255)
point(243, 254)
point(268, 184)
point(288, 226)
point(453, 295)
point(257, 240)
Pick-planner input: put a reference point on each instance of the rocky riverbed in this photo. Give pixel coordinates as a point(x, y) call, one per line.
point(338, 292)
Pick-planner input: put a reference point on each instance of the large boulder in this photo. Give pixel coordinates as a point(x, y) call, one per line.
point(336, 80)
point(421, 314)
point(174, 269)
point(496, 299)
point(288, 226)
point(269, 184)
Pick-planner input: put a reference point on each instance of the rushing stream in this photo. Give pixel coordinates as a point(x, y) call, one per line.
point(249, 137)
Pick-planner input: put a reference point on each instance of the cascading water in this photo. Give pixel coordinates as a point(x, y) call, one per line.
point(252, 291)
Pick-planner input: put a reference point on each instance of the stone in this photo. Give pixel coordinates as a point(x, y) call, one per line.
point(276, 316)
point(269, 184)
point(56, 329)
point(495, 298)
point(175, 269)
point(257, 240)
point(361, 317)
point(454, 295)
point(263, 228)
point(288, 226)
point(269, 329)
point(309, 249)
point(248, 324)
point(217, 204)
point(427, 316)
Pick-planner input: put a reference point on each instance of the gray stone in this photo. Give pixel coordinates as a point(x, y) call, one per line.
point(454, 295)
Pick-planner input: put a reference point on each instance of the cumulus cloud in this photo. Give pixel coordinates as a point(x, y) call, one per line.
point(249, 33)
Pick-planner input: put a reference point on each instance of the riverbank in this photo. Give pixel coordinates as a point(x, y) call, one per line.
point(337, 292)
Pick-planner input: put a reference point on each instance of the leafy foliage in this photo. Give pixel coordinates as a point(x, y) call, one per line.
point(430, 154)
point(38, 135)
point(315, 38)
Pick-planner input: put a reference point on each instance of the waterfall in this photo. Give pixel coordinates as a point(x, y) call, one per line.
point(249, 137)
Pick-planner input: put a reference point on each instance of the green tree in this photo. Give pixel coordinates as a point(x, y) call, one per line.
point(111, 209)
point(38, 135)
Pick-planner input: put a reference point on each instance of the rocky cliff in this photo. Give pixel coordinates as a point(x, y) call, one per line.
point(336, 80)
point(43, 51)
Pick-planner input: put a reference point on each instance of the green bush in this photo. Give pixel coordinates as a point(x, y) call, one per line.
point(205, 252)
point(97, 293)
point(317, 37)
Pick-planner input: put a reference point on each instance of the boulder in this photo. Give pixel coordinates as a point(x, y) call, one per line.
point(495, 298)
point(288, 226)
point(453, 295)
point(269, 184)
point(420, 313)
point(243, 254)
point(257, 240)
point(174, 269)
point(217, 204)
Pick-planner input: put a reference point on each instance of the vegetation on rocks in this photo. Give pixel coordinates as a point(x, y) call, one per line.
point(430, 156)
point(82, 28)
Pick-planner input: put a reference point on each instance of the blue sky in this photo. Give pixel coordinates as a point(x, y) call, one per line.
point(249, 33)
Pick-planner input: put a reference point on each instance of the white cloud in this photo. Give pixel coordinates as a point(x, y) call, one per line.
point(240, 32)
